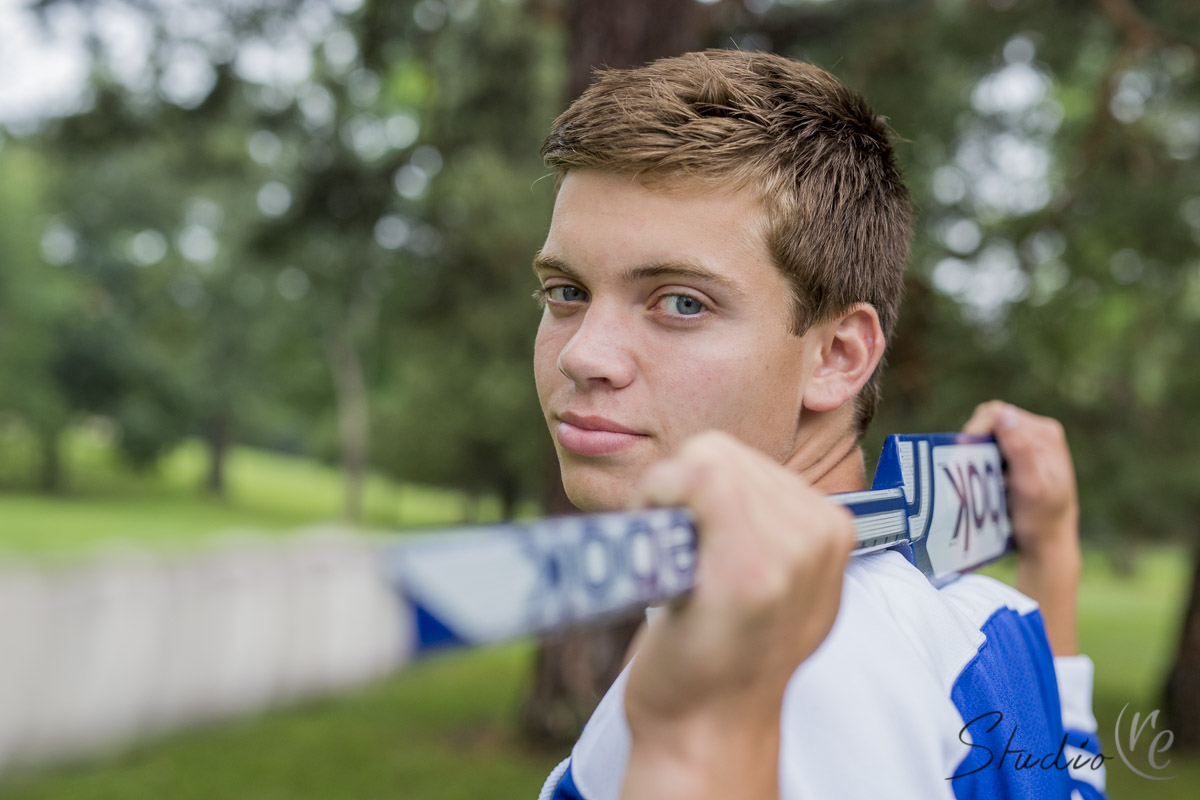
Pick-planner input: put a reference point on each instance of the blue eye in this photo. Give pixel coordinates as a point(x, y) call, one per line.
point(684, 305)
point(566, 294)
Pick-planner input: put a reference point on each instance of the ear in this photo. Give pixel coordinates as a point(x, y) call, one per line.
point(847, 349)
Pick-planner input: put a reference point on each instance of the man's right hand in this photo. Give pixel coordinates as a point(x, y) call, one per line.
point(705, 690)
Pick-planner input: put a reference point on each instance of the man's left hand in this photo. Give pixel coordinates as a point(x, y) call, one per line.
point(1044, 507)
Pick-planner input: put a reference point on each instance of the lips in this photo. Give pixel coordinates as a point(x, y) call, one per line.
point(594, 435)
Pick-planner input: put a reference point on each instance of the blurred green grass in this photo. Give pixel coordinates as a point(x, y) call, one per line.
point(105, 501)
point(445, 728)
point(1129, 626)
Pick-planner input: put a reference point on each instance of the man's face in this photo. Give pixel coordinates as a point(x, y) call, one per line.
point(664, 317)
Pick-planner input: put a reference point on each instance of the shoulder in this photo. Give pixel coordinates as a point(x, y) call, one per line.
point(871, 709)
point(892, 618)
point(889, 608)
point(979, 597)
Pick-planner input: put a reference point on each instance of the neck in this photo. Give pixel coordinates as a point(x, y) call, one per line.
point(828, 456)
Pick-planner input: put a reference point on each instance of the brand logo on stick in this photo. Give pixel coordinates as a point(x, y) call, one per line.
point(970, 517)
point(980, 494)
point(605, 564)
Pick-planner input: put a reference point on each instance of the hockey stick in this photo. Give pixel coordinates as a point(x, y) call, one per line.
point(939, 498)
point(134, 644)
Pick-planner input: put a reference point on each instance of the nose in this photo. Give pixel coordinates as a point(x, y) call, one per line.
point(599, 352)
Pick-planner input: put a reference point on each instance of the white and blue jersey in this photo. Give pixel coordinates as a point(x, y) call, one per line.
point(917, 692)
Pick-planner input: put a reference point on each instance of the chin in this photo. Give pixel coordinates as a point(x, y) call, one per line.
point(596, 492)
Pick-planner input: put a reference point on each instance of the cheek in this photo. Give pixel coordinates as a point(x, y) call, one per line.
point(703, 388)
point(546, 349)
point(736, 385)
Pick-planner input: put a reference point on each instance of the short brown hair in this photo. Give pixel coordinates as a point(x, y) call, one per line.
point(838, 215)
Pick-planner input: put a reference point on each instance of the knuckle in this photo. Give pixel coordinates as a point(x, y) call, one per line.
point(1017, 440)
point(772, 586)
point(719, 491)
point(846, 530)
point(840, 536)
point(703, 477)
point(795, 565)
point(833, 533)
point(705, 446)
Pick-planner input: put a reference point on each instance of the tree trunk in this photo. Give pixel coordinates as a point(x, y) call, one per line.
point(470, 505)
point(354, 429)
point(1182, 692)
point(510, 494)
point(630, 33)
point(217, 439)
point(574, 669)
point(908, 362)
point(50, 472)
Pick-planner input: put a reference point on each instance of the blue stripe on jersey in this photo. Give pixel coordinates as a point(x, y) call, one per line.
point(1012, 675)
point(566, 788)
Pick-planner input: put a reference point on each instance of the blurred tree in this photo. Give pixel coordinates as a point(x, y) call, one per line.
point(36, 300)
point(455, 241)
point(151, 196)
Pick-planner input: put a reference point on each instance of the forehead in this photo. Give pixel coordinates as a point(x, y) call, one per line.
point(605, 220)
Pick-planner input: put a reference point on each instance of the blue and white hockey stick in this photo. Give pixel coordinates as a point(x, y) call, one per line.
point(135, 643)
point(939, 498)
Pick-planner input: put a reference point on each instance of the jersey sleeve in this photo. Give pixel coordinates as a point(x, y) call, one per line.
point(1075, 675)
point(560, 785)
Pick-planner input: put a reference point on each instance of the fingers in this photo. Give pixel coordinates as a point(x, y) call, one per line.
point(721, 479)
point(772, 552)
point(1042, 496)
point(733, 489)
point(698, 477)
point(1018, 432)
point(991, 417)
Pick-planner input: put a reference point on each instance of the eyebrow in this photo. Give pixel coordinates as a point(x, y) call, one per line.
point(545, 263)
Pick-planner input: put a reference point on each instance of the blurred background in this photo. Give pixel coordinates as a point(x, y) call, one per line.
point(267, 263)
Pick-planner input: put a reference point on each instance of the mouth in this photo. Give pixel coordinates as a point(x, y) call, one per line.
point(595, 435)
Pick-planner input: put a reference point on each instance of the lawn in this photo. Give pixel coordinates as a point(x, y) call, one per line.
point(446, 727)
point(1129, 626)
point(105, 501)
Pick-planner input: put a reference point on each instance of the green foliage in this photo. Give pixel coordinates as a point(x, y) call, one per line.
point(222, 259)
point(35, 298)
point(112, 503)
point(1053, 151)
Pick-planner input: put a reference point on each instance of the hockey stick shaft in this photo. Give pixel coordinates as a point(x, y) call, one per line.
point(939, 498)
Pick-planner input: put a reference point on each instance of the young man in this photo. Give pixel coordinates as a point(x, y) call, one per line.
point(720, 280)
